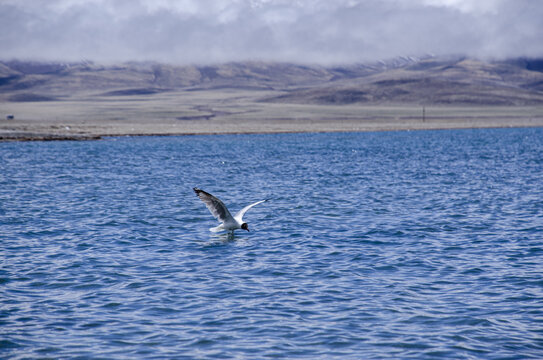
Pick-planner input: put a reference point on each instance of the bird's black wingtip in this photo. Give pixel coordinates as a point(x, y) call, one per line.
point(200, 191)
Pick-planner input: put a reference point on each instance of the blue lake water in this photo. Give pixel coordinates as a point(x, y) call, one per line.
point(394, 245)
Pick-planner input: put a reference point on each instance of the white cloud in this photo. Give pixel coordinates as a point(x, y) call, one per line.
point(466, 6)
point(317, 31)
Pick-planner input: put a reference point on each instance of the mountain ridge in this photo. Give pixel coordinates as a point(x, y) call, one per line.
point(424, 80)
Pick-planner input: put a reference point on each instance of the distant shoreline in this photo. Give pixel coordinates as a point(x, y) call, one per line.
point(256, 127)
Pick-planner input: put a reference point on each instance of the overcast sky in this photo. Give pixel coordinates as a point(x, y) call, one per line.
point(305, 31)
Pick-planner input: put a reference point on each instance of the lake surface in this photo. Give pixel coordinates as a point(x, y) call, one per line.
point(396, 245)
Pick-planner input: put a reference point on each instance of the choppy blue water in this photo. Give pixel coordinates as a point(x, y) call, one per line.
point(397, 245)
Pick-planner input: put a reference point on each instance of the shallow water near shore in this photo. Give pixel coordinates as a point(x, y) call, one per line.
point(425, 245)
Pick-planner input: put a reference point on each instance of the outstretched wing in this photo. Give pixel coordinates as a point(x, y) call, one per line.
point(239, 215)
point(216, 206)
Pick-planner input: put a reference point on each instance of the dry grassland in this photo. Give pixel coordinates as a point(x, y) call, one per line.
point(236, 111)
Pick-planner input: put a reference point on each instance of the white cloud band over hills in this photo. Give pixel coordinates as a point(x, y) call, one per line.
point(303, 31)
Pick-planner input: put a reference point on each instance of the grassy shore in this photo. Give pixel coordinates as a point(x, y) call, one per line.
point(88, 116)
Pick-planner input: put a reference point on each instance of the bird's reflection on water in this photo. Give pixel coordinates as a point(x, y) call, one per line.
point(223, 237)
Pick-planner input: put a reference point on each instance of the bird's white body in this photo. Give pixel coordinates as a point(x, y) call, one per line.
point(226, 226)
point(220, 211)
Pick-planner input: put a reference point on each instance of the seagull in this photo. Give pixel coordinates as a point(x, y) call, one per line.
point(221, 213)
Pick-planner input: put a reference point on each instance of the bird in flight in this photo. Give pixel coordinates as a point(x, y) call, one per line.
point(220, 211)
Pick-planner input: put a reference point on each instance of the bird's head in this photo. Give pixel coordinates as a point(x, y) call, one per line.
point(244, 226)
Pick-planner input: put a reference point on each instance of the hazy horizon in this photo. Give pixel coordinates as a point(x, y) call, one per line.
point(304, 31)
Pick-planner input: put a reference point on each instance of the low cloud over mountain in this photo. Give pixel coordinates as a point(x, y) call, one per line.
point(301, 31)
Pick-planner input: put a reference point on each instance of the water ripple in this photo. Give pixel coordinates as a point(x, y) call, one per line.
point(421, 245)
